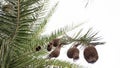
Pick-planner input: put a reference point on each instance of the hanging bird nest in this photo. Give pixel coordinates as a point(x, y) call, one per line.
point(70, 52)
point(38, 48)
point(49, 47)
point(76, 54)
point(55, 53)
point(90, 54)
point(73, 52)
point(55, 42)
point(89, 39)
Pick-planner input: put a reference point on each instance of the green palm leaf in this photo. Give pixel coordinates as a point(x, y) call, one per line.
point(22, 23)
point(20, 33)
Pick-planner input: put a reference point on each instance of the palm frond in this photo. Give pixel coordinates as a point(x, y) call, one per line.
point(89, 38)
point(45, 39)
point(62, 64)
point(5, 54)
point(22, 23)
point(39, 27)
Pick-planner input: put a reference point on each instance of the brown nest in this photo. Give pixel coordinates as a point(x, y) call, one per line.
point(56, 42)
point(90, 54)
point(55, 53)
point(49, 47)
point(38, 48)
point(73, 53)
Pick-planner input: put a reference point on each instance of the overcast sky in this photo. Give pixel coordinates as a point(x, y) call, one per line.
point(103, 16)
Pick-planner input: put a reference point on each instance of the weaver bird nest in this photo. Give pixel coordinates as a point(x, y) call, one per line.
point(90, 52)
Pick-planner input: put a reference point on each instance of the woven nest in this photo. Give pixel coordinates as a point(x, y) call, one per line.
point(56, 42)
point(73, 53)
point(49, 47)
point(55, 53)
point(90, 54)
point(38, 48)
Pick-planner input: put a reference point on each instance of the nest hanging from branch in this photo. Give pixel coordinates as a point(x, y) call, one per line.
point(90, 54)
point(38, 48)
point(73, 52)
point(55, 42)
point(49, 47)
point(55, 53)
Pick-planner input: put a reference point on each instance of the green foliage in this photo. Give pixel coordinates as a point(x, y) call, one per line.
point(22, 23)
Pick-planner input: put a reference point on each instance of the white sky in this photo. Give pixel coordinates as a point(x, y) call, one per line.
point(104, 16)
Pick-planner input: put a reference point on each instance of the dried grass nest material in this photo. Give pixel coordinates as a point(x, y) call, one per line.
point(56, 42)
point(38, 48)
point(49, 47)
point(73, 53)
point(55, 53)
point(90, 54)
